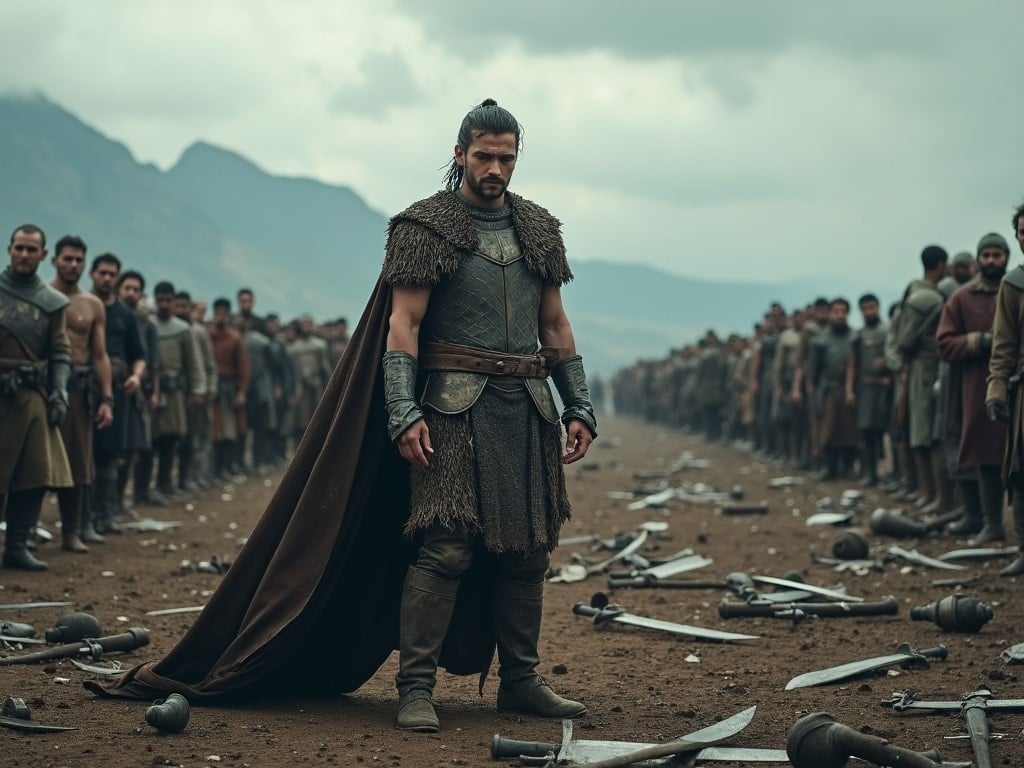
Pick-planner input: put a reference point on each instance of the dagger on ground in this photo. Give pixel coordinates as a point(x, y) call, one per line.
point(904, 655)
point(136, 637)
point(604, 612)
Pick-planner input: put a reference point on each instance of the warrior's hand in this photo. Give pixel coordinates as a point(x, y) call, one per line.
point(997, 411)
point(577, 441)
point(104, 416)
point(56, 408)
point(414, 444)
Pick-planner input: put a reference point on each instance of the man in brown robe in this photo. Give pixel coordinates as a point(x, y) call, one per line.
point(1002, 404)
point(232, 383)
point(965, 342)
point(837, 417)
point(90, 371)
point(35, 362)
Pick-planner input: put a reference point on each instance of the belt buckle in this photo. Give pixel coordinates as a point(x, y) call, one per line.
point(500, 365)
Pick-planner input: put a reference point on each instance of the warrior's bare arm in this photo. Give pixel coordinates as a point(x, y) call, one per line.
point(408, 306)
point(555, 331)
point(101, 365)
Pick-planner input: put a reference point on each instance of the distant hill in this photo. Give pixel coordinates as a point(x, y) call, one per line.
point(216, 221)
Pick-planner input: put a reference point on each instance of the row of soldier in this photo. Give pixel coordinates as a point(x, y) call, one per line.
point(936, 383)
point(101, 387)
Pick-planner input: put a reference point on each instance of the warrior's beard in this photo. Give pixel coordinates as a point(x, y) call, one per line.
point(492, 192)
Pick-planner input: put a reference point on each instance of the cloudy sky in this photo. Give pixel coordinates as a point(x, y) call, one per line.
point(727, 139)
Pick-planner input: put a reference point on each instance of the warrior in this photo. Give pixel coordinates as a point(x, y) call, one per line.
point(915, 341)
point(710, 386)
point(869, 386)
point(194, 448)
point(815, 323)
point(451, 354)
point(309, 356)
point(1003, 402)
point(182, 384)
point(830, 356)
point(35, 363)
point(90, 376)
point(282, 374)
point(232, 383)
point(260, 414)
point(246, 320)
point(114, 446)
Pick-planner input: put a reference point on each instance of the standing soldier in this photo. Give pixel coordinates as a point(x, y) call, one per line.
point(312, 370)
point(1002, 400)
point(182, 383)
point(128, 367)
point(814, 324)
point(260, 417)
point(191, 448)
point(791, 430)
point(282, 375)
point(869, 386)
point(232, 383)
point(915, 340)
point(837, 419)
point(86, 328)
point(710, 386)
point(35, 363)
point(203, 429)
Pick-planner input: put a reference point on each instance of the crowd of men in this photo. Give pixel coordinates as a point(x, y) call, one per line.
point(934, 383)
point(108, 388)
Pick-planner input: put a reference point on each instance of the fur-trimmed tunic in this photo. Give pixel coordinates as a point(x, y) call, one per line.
point(497, 467)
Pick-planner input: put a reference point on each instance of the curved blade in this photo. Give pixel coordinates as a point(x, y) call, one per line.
point(843, 671)
point(835, 595)
point(978, 553)
point(680, 629)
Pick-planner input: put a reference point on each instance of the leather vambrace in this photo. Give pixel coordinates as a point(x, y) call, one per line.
point(571, 383)
point(400, 392)
point(57, 396)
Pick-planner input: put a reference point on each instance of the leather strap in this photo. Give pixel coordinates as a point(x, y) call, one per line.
point(457, 357)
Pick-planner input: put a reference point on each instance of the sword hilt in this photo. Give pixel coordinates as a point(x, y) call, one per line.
point(504, 748)
point(600, 615)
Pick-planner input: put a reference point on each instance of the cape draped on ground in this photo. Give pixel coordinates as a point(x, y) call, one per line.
point(310, 605)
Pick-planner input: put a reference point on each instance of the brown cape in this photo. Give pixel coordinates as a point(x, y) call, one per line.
point(310, 604)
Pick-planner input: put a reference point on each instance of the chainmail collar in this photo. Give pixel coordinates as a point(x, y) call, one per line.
point(487, 218)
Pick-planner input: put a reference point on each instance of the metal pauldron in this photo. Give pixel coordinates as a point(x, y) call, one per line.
point(571, 382)
point(400, 392)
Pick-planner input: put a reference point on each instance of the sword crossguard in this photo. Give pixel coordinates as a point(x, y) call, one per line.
point(900, 700)
point(607, 614)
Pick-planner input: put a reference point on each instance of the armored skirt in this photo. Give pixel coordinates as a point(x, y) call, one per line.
point(31, 452)
point(496, 470)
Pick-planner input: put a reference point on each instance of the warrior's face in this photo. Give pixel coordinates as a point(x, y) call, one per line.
point(837, 314)
point(26, 251)
point(104, 276)
point(130, 291)
point(164, 305)
point(487, 163)
point(245, 302)
point(183, 309)
point(870, 312)
point(992, 263)
point(70, 264)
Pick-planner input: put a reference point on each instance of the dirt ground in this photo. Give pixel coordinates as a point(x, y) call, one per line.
point(639, 684)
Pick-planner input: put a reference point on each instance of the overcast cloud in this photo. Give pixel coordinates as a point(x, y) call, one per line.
point(739, 140)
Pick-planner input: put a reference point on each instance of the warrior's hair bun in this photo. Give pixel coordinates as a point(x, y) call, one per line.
point(488, 103)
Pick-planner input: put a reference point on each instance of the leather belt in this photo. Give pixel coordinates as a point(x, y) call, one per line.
point(457, 357)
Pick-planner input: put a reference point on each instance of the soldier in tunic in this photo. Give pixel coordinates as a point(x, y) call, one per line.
point(710, 386)
point(232, 362)
point(114, 446)
point(182, 383)
point(312, 369)
point(89, 381)
point(869, 386)
point(192, 447)
point(1003, 401)
point(35, 363)
point(814, 324)
point(792, 429)
point(282, 373)
point(261, 416)
point(475, 274)
point(837, 418)
point(915, 341)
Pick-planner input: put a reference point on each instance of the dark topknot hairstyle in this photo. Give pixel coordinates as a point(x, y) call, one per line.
point(1018, 214)
point(32, 229)
point(105, 258)
point(131, 274)
point(932, 256)
point(488, 117)
point(70, 241)
point(163, 287)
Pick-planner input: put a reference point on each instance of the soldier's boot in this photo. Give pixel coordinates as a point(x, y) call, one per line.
point(970, 521)
point(165, 450)
point(909, 488)
point(869, 461)
point(86, 529)
point(990, 482)
point(1016, 568)
point(517, 609)
point(925, 477)
point(944, 498)
point(71, 501)
point(105, 493)
point(426, 611)
point(22, 513)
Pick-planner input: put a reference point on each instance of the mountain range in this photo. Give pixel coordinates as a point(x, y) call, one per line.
point(216, 221)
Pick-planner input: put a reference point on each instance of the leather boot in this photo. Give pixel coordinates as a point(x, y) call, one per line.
point(71, 501)
point(517, 609)
point(86, 529)
point(22, 513)
point(944, 501)
point(1016, 568)
point(426, 610)
point(971, 520)
point(991, 484)
point(105, 494)
point(925, 476)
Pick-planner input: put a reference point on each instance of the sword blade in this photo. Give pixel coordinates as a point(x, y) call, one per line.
point(850, 669)
point(829, 518)
point(740, 755)
point(18, 606)
point(680, 629)
point(978, 553)
point(175, 611)
point(807, 588)
point(913, 556)
point(677, 566)
point(977, 729)
point(22, 640)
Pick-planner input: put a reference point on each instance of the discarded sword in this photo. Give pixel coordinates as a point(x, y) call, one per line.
point(22, 640)
point(904, 655)
point(659, 499)
point(819, 741)
point(978, 553)
point(16, 724)
point(683, 564)
point(604, 612)
point(790, 584)
point(973, 708)
point(20, 606)
point(148, 525)
point(857, 566)
point(913, 556)
point(614, 754)
point(136, 637)
point(114, 669)
point(731, 610)
point(829, 518)
point(740, 584)
point(176, 611)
